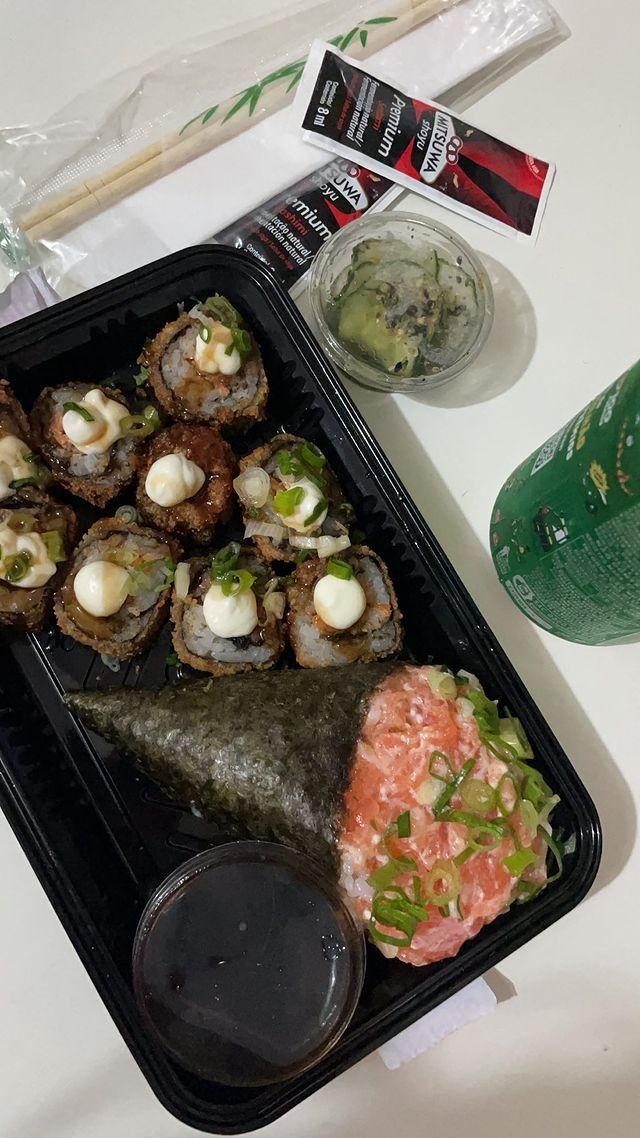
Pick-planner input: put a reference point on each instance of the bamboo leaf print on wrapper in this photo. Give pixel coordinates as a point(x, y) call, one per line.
point(250, 98)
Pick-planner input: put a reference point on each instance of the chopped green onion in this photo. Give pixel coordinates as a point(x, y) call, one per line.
point(140, 426)
point(127, 514)
point(205, 334)
point(302, 555)
point(443, 883)
point(404, 825)
point(506, 805)
point(283, 460)
point(338, 568)
point(316, 512)
point(477, 796)
point(236, 581)
point(555, 850)
point(485, 712)
point(172, 659)
point(439, 757)
point(396, 912)
point(447, 794)
point(41, 475)
point(383, 877)
point(482, 825)
point(313, 457)
point(286, 502)
point(464, 856)
point(225, 560)
point(16, 568)
point(517, 862)
point(241, 342)
point(170, 572)
point(222, 309)
point(54, 545)
point(529, 815)
point(511, 732)
point(141, 377)
point(442, 684)
point(79, 410)
point(18, 483)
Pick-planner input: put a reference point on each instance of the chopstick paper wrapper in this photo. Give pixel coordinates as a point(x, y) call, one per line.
point(471, 1003)
point(420, 145)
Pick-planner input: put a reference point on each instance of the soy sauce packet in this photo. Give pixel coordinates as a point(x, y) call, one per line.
point(420, 145)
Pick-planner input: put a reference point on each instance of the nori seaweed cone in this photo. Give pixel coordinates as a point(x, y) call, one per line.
point(272, 751)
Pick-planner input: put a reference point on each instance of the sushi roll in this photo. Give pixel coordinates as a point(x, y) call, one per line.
point(206, 367)
point(36, 539)
point(343, 609)
point(88, 435)
point(227, 612)
point(117, 591)
point(292, 503)
point(19, 466)
point(404, 782)
point(185, 481)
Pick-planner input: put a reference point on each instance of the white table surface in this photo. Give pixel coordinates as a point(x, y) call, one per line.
point(562, 1057)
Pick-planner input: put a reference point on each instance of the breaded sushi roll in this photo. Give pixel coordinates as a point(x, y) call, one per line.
point(19, 466)
point(292, 504)
point(206, 367)
point(343, 609)
point(117, 591)
point(88, 435)
point(227, 612)
point(185, 481)
point(36, 539)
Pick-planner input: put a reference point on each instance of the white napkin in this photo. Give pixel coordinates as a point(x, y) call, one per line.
point(471, 1003)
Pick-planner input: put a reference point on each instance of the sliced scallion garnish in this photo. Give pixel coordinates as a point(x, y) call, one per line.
point(517, 862)
point(54, 545)
point(312, 457)
point(338, 568)
point(285, 502)
point(441, 803)
point(477, 796)
point(225, 560)
point(236, 581)
point(443, 883)
point(316, 512)
point(205, 333)
point(403, 824)
point(17, 567)
point(79, 410)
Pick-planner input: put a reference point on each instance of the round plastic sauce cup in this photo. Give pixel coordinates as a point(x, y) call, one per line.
point(247, 965)
point(432, 266)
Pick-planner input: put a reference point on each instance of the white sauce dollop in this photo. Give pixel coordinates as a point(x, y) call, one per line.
point(41, 568)
point(312, 496)
point(13, 464)
point(100, 587)
point(230, 616)
point(103, 431)
point(339, 603)
point(173, 479)
point(212, 356)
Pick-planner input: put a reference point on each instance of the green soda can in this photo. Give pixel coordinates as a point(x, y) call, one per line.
point(565, 528)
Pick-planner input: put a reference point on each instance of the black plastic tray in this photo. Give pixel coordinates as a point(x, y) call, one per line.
point(99, 835)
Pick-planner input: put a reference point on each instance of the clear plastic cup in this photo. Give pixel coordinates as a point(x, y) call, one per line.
point(247, 964)
point(453, 314)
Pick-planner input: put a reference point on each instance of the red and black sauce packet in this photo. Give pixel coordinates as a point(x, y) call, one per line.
point(420, 145)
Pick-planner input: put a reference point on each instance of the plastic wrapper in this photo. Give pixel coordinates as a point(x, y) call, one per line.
point(471, 41)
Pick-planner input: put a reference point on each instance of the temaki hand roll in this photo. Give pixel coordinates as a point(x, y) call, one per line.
point(292, 503)
point(206, 367)
point(117, 591)
point(88, 436)
point(19, 466)
point(404, 782)
point(36, 539)
point(228, 612)
point(343, 609)
point(185, 481)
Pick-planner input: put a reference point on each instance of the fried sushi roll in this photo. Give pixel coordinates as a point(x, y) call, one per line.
point(36, 539)
point(185, 481)
point(206, 367)
point(292, 503)
point(342, 610)
point(19, 466)
point(228, 612)
point(88, 436)
point(117, 592)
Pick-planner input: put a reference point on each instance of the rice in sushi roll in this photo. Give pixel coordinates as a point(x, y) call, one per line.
point(227, 612)
point(206, 367)
point(292, 503)
point(185, 481)
point(343, 609)
point(36, 539)
point(117, 591)
point(88, 436)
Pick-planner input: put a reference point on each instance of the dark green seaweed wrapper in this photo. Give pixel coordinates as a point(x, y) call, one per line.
point(271, 751)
